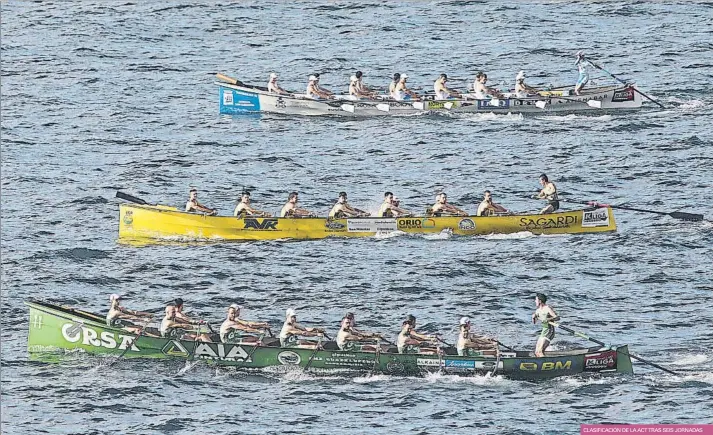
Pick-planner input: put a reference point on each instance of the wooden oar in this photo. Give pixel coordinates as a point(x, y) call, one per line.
point(130, 198)
point(625, 83)
point(130, 344)
point(674, 214)
point(230, 80)
point(586, 337)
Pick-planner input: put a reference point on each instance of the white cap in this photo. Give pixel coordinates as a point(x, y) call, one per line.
point(404, 76)
point(290, 312)
point(114, 297)
point(236, 306)
point(579, 53)
point(464, 320)
point(520, 75)
point(312, 78)
point(273, 75)
point(353, 79)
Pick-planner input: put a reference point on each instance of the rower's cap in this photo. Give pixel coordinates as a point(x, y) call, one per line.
point(114, 297)
point(464, 320)
point(273, 75)
point(290, 313)
point(580, 53)
point(312, 78)
point(236, 306)
point(520, 75)
point(404, 76)
point(353, 79)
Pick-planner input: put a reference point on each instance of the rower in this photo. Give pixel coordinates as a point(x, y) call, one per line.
point(410, 341)
point(233, 328)
point(545, 314)
point(193, 206)
point(442, 92)
point(548, 192)
point(290, 209)
point(342, 209)
point(314, 91)
point(390, 207)
point(291, 331)
point(443, 207)
point(120, 317)
point(328, 92)
point(273, 87)
point(488, 208)
point(483, 91)
point(172, 327)
point(178, 303)
point(392, 85)
point(401, 92)
point(244, 209)
point(583, 79)
point(362, 89)
point(469, 344)
point(521, 89)
point(349, 339)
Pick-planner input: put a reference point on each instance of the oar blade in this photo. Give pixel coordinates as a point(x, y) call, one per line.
point(594, 103)
point(130, 198)
point(540, 104)
point(348, 108)
point(686, 216)
point(383, 107)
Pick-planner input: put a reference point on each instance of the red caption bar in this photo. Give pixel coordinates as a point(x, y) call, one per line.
point(701, 429)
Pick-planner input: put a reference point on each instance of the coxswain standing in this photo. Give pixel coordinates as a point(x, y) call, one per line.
point(442, 92)
point(273, 87)
point(443, 207)
point(120, 317)
point(342, 209)
point(290, 209)
point(545, 314)
point(583, 79)
point(243, 209)
point(193, 206)
point(291, 332)
point(390, 207)
point(549, 193)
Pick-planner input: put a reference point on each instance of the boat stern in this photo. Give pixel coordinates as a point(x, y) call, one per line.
point(233, 101)
point(623, 360)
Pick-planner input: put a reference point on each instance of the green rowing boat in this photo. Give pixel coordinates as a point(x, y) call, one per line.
point(56, 329)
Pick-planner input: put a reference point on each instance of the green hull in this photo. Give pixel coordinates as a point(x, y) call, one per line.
point(56, 329)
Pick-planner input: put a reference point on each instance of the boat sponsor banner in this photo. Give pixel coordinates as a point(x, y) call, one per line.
point(457, 363)
point(600, 361)
point(702, 429)
point(232, 101)
point(415, 223)
point(371, 225)
point(80, 334)
point(595, 218)
point(221, 352)
point(466, 224)
point(548, 221)
point(623, 95)
point(546, 365)
point(355, 360)
point(260, 224)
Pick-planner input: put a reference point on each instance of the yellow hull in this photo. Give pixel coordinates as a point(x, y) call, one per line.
point(159, 222)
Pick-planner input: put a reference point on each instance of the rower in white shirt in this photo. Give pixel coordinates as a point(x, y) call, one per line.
point(273, 87)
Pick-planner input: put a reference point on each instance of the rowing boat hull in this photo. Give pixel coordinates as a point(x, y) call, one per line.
point(56, 330)
point(235, 99)
point(160, 222)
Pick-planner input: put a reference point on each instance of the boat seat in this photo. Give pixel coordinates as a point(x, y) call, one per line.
point(330, 345)
point(271, 342)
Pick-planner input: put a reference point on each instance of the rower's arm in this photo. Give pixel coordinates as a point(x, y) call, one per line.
point(420, 336)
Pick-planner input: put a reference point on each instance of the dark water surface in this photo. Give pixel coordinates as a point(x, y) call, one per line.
point(119, 95)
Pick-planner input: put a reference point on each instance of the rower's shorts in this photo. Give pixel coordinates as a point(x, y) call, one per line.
point(548, 333)
point(583, 79)
point(555, 205)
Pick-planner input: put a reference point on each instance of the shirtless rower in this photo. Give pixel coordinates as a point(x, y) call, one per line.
point(349, 339)
point(244, 209)
point(401, 92)
point(193, 206)
point(521, 89)
point(469, 344)
point(549, 193)
point(233, 329)
point(390, 208)
point(410, 341)
point(290, 209)
point(583, 79)
point(443, 207)
point(178, 303)
point(488, 208)
point(172, 327)
point(545, 314)
point(273, 87)
point(483, 91)
point(342, 209)
point(394, 82)
point(362, 89)
point(291, 331)
point(315, 92)
point(442, 92)
point(120, 317)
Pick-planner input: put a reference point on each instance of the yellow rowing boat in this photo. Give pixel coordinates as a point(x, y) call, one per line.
point(161, 222)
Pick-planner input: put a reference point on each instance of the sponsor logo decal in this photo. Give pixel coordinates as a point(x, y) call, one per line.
point(76, 332)
point(600, 361)
point(460, 364)
point(220, 351)
point(128, 217)
point(534, 366)
point(466, 225)
point(395, 367)
point(260, 224)
point(288, 358)
point(332, 225)
point(501, 104)
point(623, 95)
point(174, 348)
point(371, 225)
point(227, 97)
point(595, 218)
point(415, 223)
point(280, 103)
point(543, 223)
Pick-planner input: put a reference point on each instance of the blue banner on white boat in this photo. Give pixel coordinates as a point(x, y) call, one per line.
point(233, 101)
